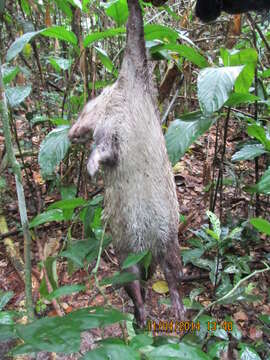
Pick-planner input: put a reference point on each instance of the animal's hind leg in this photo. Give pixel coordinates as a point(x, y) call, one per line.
point(172, 267)
point(133, 290)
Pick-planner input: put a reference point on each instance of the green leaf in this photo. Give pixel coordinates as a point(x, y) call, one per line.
point(65, 7)
point(7, 332)
point(16, 95)
point(249, 152)
point(216, 350)
point(140, 341)
point(214, 222)
point(95, 36)
point(76, 3)
point(25, 6)
point(112, 352)
point(62, 334)
point(180, 351)
point(4, 298)
point(247, 57)
point(106, 61)
point(183, 132)
point(60, 63)
point(133, 259)
point(10, 73)
point(248, 353)
point(185, 51)
point(263, 186)
point(47, 216)
point(261, 225)
point(53, 149)
point(117, 10)
point(65, 290)
point(265, 74)
point(59, 32)
point(238, 98)
point(18, 45)
point(258, 132)
point(68, 204)
point(215, 86)
point(119, 279)
point(160, 32)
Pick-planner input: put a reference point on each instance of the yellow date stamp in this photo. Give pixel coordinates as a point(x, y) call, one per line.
point(174, 326)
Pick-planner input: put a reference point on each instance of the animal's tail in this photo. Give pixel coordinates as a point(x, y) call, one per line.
point(135, 47)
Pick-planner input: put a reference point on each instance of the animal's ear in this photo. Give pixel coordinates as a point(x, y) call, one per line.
point(208, 10)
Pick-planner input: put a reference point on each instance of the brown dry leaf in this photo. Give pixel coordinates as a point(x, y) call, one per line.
point(38, 178)
point(255, 333)
point(240, 316)
point(51, 247)
point(160, 287)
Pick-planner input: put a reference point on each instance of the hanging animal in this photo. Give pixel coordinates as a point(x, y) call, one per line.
point(140, 201)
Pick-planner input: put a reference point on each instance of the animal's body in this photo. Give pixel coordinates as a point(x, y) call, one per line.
point(209, 10)
point(141, 205)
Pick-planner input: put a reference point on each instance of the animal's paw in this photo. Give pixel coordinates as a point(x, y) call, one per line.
point(93, 163)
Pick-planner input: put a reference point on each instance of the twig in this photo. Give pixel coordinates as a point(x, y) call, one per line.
point(230, 293)
point(179, 84)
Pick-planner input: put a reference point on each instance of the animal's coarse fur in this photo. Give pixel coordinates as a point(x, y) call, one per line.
point(209, 10)
point(140, 197)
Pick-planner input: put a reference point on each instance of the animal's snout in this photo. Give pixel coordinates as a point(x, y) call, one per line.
point(78, 135)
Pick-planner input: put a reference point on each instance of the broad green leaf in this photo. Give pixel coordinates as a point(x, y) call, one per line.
point(265, 74)
point(59, 32)
point(25, 6)
point(117, 10)
point(140, 341)
point(17, 94)
point(53, 149)
point(246, 57)
point(119, 279)
point(5, 296)
point(261, 225)
point(249, 152)
point(190, 255)
point(214, 222)
point(263, 186)
point(65, 7)
point(2, 6)
point(65, 290)
point(248, 353)
point(133, 259)
point(7, 332)
point(76, 3)
point(215, 86)
point(185, 51)
point(47, 216)
point(106, 61)
point(217, 349)
point(18, 45)
point(238, 98)
point(160, 32)
point(183, 132)
point(68, 204)
point(112, 352)
point(60, 63)
point(95, 36)
point(10, 73)
point(180, 351)
point(62, 334)
point(258, 132)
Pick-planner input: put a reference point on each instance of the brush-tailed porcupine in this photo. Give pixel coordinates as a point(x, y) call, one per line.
point(140, 196)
